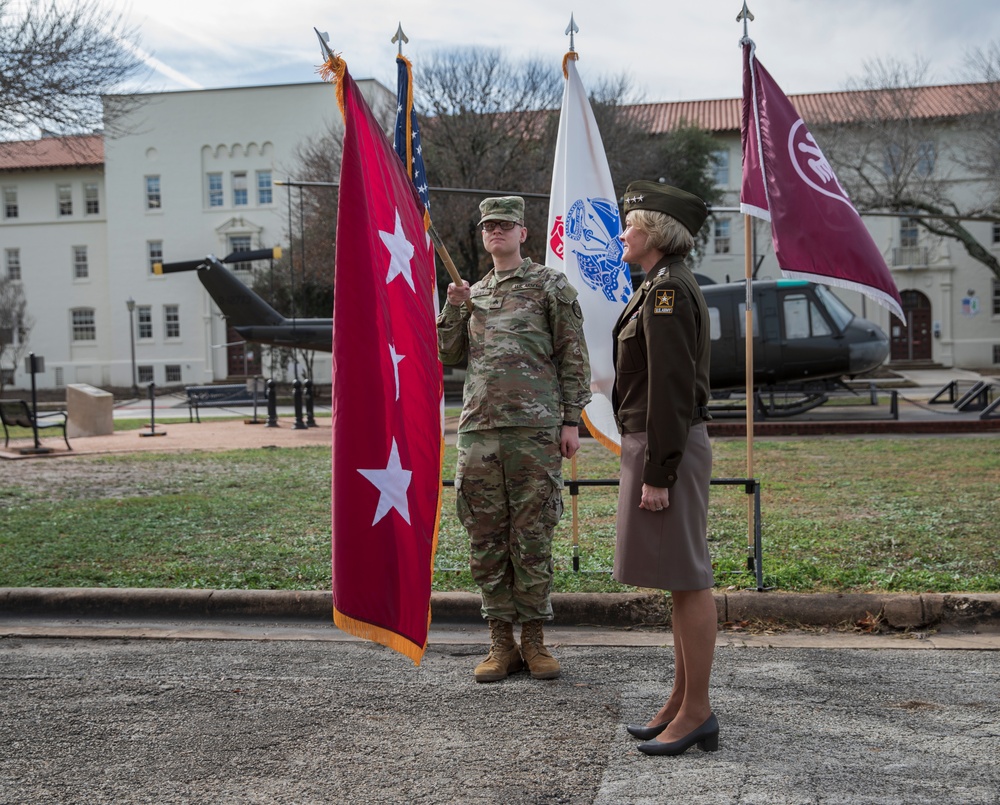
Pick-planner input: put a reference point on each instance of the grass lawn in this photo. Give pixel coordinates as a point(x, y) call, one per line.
point(845, 514)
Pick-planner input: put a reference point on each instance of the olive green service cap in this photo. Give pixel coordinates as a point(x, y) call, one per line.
point(686, 207)
point(502, 208)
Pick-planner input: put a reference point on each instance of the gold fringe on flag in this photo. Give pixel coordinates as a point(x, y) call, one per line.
point(376, 634)
point(332, 70)
point(570, 55)
point(600, 437)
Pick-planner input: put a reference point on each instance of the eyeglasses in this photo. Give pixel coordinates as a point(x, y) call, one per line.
point(506, 226)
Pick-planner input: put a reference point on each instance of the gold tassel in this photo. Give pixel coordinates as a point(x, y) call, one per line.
point(332, 70)
point(570, 55)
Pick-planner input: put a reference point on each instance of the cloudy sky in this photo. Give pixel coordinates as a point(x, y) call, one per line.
point(672, 50)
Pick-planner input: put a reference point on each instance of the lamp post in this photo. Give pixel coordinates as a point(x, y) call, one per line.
point(130, 304)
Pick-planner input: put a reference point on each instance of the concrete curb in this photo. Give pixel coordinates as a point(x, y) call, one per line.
point(969, 611)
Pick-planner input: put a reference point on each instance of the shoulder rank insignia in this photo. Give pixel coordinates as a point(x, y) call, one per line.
point(665, 271)
point(664, 303)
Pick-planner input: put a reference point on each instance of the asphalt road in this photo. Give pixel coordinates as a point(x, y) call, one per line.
point(221, 712)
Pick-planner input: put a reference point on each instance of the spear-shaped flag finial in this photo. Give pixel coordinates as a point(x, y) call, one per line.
point(324, 47)
point(400, 37)
point(745, 16)
point(571, 29)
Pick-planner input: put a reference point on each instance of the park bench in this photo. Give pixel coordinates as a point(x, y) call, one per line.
point(216, 396)
point(17, 414)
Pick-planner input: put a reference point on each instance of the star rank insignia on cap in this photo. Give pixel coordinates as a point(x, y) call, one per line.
point(664, 303)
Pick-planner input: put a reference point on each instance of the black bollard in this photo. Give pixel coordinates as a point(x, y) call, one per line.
point(34, 364)
point(308, 396)
point(152, 414)
point(297, 403)
point(272, 405)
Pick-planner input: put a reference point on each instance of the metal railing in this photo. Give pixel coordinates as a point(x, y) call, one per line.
point(751, 486)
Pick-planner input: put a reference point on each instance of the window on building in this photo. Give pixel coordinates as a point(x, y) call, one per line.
point(154, 253)
point(7, 376)
point(153, 199)
point(64, 194)
point(240, 243)
point(10, 209)
point(720, 171)
point(926, 158)
point(173, 372)
point(91, 199)
point(145, 374)
point(12, 262)
point(996, 297)
point(908, 233)
point(172, 321)
point(996, 234)
point(996, 353)
point(722, 239)
point(145, 319)
point(239, 188)
point(215, 190)
point(84, 327)
point(265, 193)
point(81, 267)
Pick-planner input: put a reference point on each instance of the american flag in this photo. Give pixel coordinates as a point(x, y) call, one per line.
point(407, 137)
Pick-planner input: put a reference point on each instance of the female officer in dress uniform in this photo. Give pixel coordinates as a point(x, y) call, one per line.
point(660, 397)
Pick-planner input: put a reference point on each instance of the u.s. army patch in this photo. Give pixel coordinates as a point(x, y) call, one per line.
point(664, 303)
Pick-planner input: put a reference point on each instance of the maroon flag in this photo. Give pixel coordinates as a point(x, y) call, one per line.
point(817, 233)
point(387, 391)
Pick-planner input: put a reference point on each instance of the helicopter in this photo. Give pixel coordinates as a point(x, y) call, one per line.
point(805, 338)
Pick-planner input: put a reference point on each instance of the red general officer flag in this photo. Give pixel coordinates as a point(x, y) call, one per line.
point(387, 391)
point(817, 233)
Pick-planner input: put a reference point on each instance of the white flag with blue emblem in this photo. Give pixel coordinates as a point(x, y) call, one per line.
point(584, 241)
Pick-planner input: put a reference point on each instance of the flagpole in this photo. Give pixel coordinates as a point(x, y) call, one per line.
point(745, 16)
point(748, 273)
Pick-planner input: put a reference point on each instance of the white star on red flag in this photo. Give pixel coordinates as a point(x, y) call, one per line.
point(392, 483)
point(400, 253)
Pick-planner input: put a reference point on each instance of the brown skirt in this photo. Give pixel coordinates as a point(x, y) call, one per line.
point(667, 550)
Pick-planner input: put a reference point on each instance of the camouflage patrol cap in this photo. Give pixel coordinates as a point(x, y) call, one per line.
point(686, 207)
point(502, 208)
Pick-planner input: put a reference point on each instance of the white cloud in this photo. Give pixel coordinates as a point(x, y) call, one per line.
point(672, 49)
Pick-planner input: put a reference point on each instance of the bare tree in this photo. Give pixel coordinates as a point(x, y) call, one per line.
point(891, 156)
point(487, 124)
point(15, 325)
point(982, 94)
point(57, 57)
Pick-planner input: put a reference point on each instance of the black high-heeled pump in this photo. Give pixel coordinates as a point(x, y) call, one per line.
point(644, 733)
point(706, 736)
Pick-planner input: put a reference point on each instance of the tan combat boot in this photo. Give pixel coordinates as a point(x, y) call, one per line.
point(541, 664)
point(504, 657)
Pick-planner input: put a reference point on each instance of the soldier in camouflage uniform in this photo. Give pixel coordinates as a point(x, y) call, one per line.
point(528, 380)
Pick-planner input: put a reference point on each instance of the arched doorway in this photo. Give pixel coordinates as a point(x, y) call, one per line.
point(912, 342)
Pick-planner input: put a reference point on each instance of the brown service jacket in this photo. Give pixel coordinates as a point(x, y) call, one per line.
point(661, 348)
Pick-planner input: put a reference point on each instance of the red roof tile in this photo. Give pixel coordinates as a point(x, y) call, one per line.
point(723, 115)
point(85, 151)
